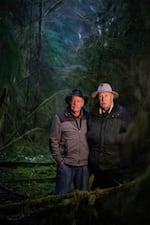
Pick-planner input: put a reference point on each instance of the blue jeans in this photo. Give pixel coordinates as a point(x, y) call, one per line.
point(66, 175)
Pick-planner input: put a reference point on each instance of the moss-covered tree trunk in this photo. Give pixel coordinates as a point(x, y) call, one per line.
point(124, 205)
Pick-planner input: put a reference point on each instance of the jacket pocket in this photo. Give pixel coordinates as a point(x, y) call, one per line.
point(63, 148)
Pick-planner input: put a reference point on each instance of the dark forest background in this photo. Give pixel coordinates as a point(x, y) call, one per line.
point(49, 47)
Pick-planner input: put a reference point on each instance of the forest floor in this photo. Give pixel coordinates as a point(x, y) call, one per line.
point(8, 196)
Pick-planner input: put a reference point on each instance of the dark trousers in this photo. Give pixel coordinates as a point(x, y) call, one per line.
point(107, 179)
point(67, 175)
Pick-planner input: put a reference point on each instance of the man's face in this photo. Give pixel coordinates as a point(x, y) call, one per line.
point(105, 99)
point(76, 104)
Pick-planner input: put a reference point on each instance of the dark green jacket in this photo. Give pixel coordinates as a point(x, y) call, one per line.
point(105, 137)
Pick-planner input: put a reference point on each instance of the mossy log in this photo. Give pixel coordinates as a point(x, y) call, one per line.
point(127, 204)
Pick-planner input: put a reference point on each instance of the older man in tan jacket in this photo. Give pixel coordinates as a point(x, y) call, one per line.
point(68, 144)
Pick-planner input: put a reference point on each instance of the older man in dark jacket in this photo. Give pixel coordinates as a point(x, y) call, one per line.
point(68, 144)
point(107, 126)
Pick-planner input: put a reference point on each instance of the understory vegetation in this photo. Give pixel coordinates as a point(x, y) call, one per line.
point(124, 205)
point(28, 172)
point(47, 48)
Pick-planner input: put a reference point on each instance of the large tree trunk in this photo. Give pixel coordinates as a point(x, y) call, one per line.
point(38, 62)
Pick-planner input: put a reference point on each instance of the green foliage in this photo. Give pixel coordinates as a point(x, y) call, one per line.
point(136, 146)
point(56, 52)
point(114, 47)
point(127, 204)
point(28, 179)
point(10, 56)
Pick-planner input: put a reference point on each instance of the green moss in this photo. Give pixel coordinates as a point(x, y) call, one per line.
point(110, 206)
point(123, 205)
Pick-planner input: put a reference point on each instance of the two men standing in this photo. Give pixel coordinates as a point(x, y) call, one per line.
point(81, 142)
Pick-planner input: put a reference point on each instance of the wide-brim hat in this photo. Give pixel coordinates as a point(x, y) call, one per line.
point(76, 92)
point(104, 87)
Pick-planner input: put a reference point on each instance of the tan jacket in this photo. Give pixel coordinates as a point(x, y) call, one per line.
point(67, 141)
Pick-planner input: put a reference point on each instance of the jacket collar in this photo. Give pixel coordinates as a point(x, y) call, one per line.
point(102, 111)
